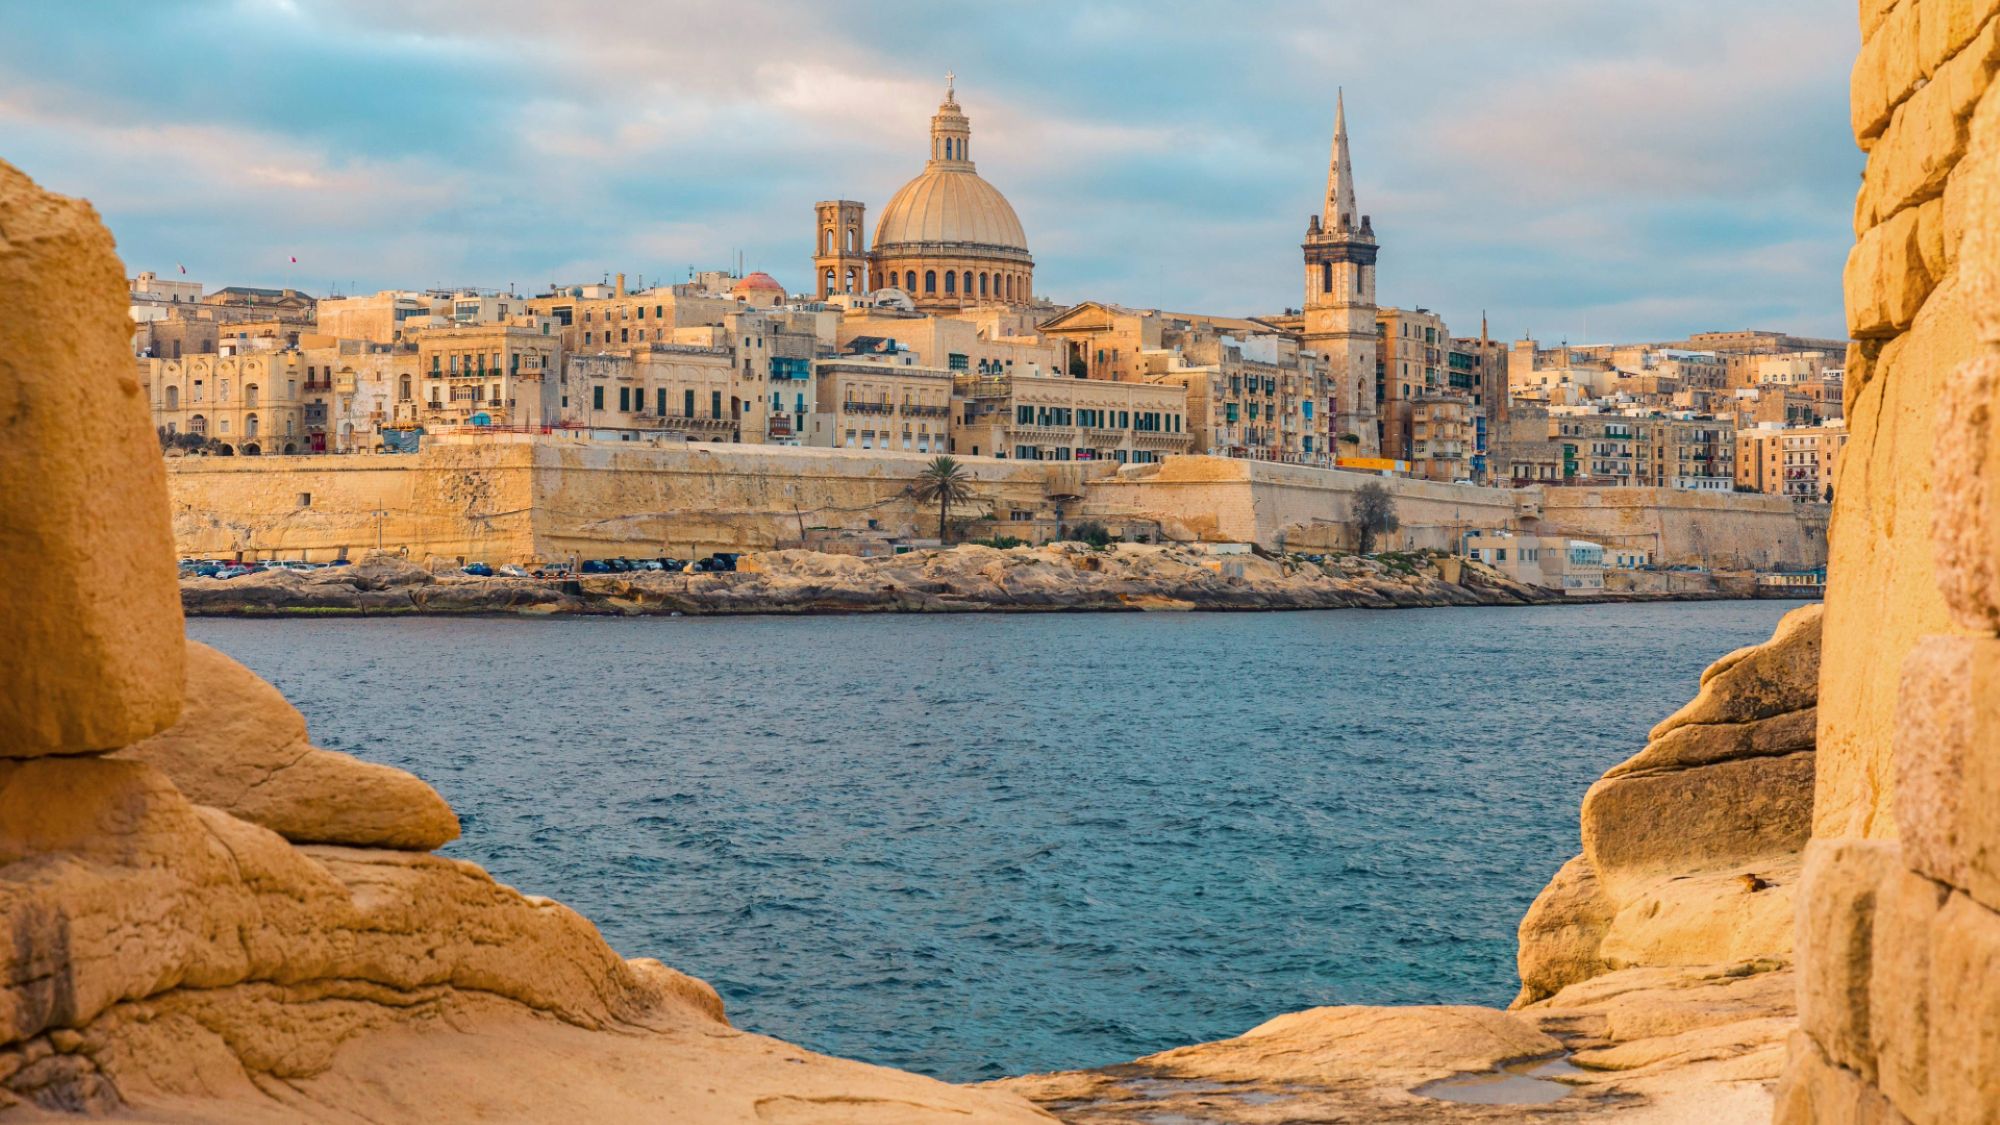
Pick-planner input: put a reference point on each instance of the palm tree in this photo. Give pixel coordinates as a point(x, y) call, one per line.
point(945, 481)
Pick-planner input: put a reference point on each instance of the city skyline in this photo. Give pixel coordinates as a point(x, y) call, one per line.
point(1695, 181)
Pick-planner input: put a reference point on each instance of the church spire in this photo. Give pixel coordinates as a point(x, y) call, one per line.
point(1341, 212)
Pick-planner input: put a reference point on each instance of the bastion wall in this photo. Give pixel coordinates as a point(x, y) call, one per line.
point(509, 498)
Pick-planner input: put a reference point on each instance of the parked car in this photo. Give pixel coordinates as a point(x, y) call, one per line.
point(619, 565)
point(720, 561)
point(673, 566)
point(596, 566)
point(479, 569)
point(647, 564)
point(552, 572)
point(513, 570)
point(234, 571)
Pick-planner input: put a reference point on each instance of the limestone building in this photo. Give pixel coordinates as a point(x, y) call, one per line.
point(246, 404)
point(881, 404)
point(1024, 416)
point(1339, 315)
point(489, 375)
point(948, 239)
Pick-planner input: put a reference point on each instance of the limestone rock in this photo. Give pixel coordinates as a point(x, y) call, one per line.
point(1704, 744)
point(1815, 1091)
point(1899, 986)
point(1945, 781)
point(1966, 521)
point(1702, 919)
point(1719, 817)
point(1561, 932)
point(1964, 1010)
point(240, 747)
point(167, 960)
point(92, 658)
point(1836, 942)
point(1776, 677)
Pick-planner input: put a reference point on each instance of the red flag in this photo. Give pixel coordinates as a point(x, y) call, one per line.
point(184, 269)
point(295, 259)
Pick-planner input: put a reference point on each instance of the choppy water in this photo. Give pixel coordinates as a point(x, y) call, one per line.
point(975, 846)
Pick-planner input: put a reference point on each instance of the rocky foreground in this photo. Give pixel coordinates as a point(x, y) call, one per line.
point(965, 579)
point(1656, 968)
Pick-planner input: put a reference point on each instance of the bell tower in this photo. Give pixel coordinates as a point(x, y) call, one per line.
point(1340, 255)
point(840, 265)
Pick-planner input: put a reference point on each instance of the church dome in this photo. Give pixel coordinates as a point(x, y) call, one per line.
point(948, 208)
point(950, 205)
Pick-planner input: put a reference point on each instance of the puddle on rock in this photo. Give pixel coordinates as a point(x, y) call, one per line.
point(1531, 1082)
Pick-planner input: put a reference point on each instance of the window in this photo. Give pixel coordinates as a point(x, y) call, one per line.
point(625, 399)
point(910, 280)
point(660, 401)
point(597, 397)
point(687, 403)
point(950, 282)
point(930, 281)
point(173, 398)
point(715, 402)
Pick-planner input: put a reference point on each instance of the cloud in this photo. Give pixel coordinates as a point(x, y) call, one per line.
point(1646, 170)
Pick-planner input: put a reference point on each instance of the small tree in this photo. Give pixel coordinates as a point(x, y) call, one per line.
point(1093, 533)
point(1374, 513)
point(946, 482)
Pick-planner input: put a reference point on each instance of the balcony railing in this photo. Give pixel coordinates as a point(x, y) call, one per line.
point(867, 408)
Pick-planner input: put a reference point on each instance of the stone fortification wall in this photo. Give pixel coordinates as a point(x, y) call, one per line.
point(1717, 530)
point(475, 502)
point(1216, 498)
point(1899, 925)
point(608, 498)
point(508, 497)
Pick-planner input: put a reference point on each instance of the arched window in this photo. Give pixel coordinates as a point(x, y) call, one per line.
point(250, 395)
point(1326, 277)
point(250, 425)
point(826, 241)
point(910, 281)
point(850, 281)
point(173, 397)
point(198, 426)
point(854, 239)
point(968, 283)
point(222, 391)
point(982, 285)
point(950, 282)
point(403, 389)
point(829, 281)
point(930, 280)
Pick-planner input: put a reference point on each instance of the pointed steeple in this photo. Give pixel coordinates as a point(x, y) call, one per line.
point(1341, 213)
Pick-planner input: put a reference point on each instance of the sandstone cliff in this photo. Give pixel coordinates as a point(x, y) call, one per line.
point(207, 918)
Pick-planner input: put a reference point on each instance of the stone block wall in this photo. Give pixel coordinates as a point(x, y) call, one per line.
point(1899, 922)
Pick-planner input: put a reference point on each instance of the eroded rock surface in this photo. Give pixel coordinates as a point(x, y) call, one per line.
point(206, 918)
point(963, 579)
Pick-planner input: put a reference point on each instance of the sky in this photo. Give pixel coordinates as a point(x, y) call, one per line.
point(1581, 170)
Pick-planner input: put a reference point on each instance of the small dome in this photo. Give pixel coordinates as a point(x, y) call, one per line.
point(759, 282)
